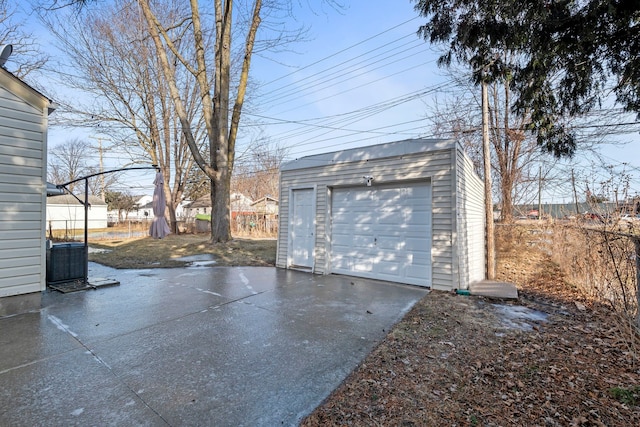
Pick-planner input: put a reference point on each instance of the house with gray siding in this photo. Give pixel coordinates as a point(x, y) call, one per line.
point(24, 116)
point(409, 212)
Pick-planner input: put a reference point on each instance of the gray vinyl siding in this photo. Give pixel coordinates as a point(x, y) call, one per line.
point(23, 124)
point(321, 229)
point(435, 167)
point(471, 223)
point(283, 234)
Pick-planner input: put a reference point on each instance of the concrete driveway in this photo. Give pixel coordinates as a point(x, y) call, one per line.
point(198, 346)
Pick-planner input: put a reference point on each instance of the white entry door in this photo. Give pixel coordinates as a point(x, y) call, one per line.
point(383, 233)
point(302, 228)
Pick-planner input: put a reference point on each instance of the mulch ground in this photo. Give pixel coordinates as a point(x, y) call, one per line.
point(456, 361)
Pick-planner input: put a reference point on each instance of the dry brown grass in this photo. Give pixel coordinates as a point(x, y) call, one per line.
point(153, 253)
point(593, 262)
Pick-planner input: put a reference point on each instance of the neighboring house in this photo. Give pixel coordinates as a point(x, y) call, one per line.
point(266, 205)
point(201, 205)
point(67, 213)
point(239, 204)
point(24, 116)
point(143, 210)
point(265, 215)
point(409, 211)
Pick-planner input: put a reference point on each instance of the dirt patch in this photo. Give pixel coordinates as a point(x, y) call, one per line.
point(454, 361)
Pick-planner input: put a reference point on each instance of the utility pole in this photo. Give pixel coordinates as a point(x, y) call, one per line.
point(488, 199)
point(540, 194)
point(575, 193)
point(102, 190)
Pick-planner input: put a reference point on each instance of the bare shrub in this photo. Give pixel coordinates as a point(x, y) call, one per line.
point(255, 225)
point(582, 262)
point(601, 263)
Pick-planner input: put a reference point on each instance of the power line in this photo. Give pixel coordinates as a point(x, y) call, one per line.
point(341, 51)
point(338, 76)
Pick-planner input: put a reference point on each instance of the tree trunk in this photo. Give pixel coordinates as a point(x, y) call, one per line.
point(506, 190)
point(173, 223)
point(220, 215)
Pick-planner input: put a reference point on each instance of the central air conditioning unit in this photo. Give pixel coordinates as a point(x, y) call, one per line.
point(65, 263)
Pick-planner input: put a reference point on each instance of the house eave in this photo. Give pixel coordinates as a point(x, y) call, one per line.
point(26, 92)
point(390, 149)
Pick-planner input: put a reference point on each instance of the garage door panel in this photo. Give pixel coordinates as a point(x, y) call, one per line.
point(417, 246)
point(390, 218)
point(341, 263)
point(389, 268)
point(420, 257)
point(361, 229)
point(355, 223)
point(383, 233)
point(415, 271)
point(362, 265)
point(354, 262)
point(403, 218)
point(390, 244)
point(349, 241)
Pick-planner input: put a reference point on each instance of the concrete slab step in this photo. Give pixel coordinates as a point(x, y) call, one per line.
point(494, 289)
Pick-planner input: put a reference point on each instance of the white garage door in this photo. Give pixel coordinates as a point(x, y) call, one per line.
point(383, 233)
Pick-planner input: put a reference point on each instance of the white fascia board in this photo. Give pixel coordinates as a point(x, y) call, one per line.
point(390, 149)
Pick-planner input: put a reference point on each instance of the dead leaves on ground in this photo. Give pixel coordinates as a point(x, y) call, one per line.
point(450, 362)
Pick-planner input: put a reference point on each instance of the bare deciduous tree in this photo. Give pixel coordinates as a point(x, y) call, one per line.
point(220, 86)
point(221, 90)
point(256, 174)
point(68, 161)
point(115, 60)
point(214, 84)
point(27, 57)
point(514, 154)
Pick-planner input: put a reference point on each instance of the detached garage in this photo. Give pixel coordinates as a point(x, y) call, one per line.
point(408, 212)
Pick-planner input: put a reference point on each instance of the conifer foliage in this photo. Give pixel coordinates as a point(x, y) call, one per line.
point(571, 54)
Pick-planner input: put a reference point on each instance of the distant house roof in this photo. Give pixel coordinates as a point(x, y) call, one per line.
point(238, 200)
point(68, 199)
point(145, 206)
point(144, 200)
point(265, 199)
point(200, 202)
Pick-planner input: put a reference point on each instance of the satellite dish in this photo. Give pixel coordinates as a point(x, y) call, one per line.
point(5, 53)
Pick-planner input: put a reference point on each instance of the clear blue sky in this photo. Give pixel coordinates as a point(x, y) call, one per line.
point(363, 78)
point(358, 82)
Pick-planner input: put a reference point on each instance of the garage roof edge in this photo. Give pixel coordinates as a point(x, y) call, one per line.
point(390, 149)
